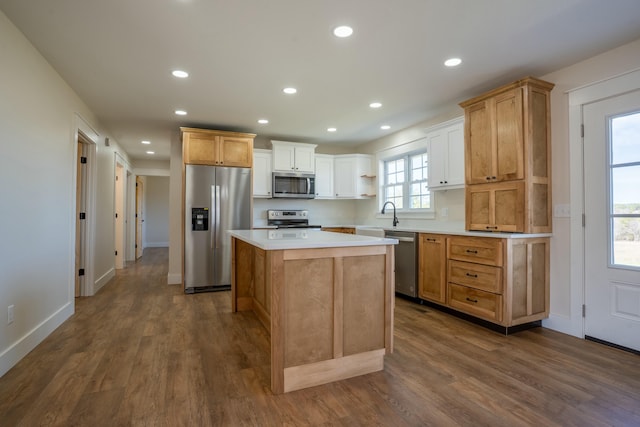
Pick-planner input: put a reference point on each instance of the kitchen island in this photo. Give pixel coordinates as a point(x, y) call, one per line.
point(326, 298)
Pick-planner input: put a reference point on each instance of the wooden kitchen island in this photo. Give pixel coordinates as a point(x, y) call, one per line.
point(326, 298)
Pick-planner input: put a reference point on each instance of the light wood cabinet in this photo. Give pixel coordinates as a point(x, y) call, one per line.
point(432, 279)
point(507, 139)
point(496, 207)
point(345, 230)
point(262, 173)
point(217, 148)
point(501, 280)
point(293, 157)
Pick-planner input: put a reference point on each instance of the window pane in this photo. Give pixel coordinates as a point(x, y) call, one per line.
point(626, 241)
point(625, 141)
point(625, 189)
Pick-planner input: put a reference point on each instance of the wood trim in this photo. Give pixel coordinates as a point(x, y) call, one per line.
point(218, 132)
point(527, 81)
point(338, 307)
point(326, 371)
point(389, 303)
point(234, 277)
point(275, 274)
point(297, 254)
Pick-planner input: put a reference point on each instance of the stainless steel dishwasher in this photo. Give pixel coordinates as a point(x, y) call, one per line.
point(406, 260)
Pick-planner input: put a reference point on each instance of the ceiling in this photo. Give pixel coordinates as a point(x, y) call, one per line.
point(118, 56)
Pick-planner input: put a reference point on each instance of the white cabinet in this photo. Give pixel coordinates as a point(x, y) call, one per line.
point(353, 176)
point(261, 173)
point(293, 157)
point(446, 156)
point(324, 176)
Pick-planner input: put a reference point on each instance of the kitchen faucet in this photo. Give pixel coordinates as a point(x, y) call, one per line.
point(395, 218)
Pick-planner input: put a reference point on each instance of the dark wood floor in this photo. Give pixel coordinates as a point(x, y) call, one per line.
point(143, 353)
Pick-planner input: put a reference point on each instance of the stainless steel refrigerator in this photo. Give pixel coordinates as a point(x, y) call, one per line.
point(217, 199)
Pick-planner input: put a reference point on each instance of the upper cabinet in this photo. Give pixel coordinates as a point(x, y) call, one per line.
point(507, 139)
point(262, 173)
point(446, 156)
point(353, 176)
point(217, 148)
point(293, 157)
point(324, 176)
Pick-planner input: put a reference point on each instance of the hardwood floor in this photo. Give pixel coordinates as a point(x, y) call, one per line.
point(143, 353)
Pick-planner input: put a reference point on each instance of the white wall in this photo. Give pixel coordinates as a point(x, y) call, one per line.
point(37, 193)
point(156, 217)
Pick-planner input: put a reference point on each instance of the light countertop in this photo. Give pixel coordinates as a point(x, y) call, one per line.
point(305, 239)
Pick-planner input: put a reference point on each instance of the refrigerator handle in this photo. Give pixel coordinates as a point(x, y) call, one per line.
point(215, 200)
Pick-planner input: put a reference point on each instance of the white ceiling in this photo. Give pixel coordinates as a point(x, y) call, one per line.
point(118, 56)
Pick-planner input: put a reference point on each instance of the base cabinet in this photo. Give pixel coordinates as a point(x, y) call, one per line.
point(501, 280)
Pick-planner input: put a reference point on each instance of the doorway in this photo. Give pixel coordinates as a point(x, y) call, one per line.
point(139, 216)
point(120, 216)
point(612, 220)
point(80, 213)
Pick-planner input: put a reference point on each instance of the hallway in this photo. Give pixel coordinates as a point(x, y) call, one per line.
point(143, 353)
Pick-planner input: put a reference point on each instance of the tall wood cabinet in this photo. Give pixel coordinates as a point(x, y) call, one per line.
point(508, 158)
point(217, 148)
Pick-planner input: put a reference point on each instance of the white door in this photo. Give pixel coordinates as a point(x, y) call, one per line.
point(612, 219)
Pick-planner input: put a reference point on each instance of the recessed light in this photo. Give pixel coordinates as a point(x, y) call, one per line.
point(385, 127)
point(146, 142)
point(342, 31)
point(331, 129)
point(180, 74)
point(453, 62)
point(151, 152)
point(375, 105)
point(263, 121)
point(289, 90)
point(181, 112)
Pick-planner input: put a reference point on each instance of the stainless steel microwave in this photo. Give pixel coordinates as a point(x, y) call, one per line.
point(293, 185)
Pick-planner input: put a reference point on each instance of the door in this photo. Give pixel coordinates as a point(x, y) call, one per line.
point(119, 237)
point(612, 219)
point(139, 217)
point(81, 177)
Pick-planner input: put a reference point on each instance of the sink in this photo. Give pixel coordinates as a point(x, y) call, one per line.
point(370, 231)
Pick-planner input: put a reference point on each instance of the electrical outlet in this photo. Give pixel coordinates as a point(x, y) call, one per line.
point(10, 314)
point(444, 212)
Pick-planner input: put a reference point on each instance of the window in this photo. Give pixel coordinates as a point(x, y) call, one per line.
point(405, 182)
point(624, 178)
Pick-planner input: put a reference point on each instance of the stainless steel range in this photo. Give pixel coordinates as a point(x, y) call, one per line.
point(289, 219)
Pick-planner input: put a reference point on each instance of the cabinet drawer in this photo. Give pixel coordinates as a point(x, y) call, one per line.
point(475, 302)
point(481, 250)
point(484, 277)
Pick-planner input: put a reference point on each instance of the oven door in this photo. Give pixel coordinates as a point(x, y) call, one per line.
point(293, 185)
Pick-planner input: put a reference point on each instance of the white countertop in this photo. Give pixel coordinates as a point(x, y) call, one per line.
point(458, 232)
point(305, 239)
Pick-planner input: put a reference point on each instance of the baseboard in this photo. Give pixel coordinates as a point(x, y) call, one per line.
point(103, 280)
point(15, 352)
point(174, 279)
point(156, 245)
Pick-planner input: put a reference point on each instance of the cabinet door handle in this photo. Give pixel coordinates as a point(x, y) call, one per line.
point(472, 300)
point(430, 240)
point(472, 251)
point(475, 276)
point(489, 227)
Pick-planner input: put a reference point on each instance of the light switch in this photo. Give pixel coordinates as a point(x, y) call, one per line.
point(562, 211)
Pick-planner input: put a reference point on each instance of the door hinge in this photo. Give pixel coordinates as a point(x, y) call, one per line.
point(136, 246)
point(83, 160)
point(83, 215)
point(584, 310)
point(81, 272)
point(116, 214)
point(116, 253)
point(582, 131)
point(116, 177)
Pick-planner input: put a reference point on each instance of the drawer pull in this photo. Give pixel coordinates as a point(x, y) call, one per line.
point(475, 276)
point(431, 240)
point(472, 300)
point(470, 251)
point(489, 227)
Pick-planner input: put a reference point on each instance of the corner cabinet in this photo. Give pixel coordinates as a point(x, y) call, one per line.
point(262, 173)
point(446, 156)
point(293, 157)
point(507, 140)
point(217, 148)
point(353, 176)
